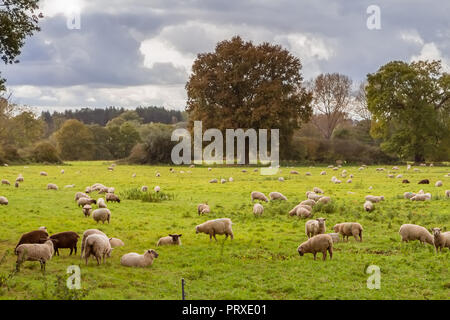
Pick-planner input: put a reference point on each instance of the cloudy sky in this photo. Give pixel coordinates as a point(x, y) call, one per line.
point(139, 52)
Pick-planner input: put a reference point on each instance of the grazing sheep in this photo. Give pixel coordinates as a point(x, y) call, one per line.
point(35, 236)
point(86, 234)
point(223, 181)
point(421, 197)
point(309, 202)
point(213, 181)
point(62, 171)
point(3, 201)
point(171, 239)
point(209, 169)
point(256, 195)
point(368, 206)
point(20, 178)
point(133, 175)
point(16, 184)
point(394, 168)
point(424, 181)
point(217, 226)
point(438, 183)
point(134, 259)
point(97, 245)
point(69, 186)
point(317, 190)
point(243, 170)
point(84, 201)
point(408, 195)
point(441, 240)
point(315, 227)
point(294, 172)
point(112, 197)
point(65, 240)
point(110, 190)
point(374, 199)
point(323, 173)
point(307, 173)
point(34, 252)
point(144, 188)
point(102, 215)
point(334, 236)
point(324, 200)
point(411, 232)
point(101, 203)
point(399, 176)
point(43, 173)
point(230, 179)
point(52, 186)
point(349, 181)
point(203, 208)
point(158, 174)
point(320, 243)
point(347, 229)
point(447, 193)
point(405, 181)
point(303, 212)
point(80, 195)
point(280, 179)
point(87, 210)
point(6, 182)
point(276, 196)
point(313, 196)
point(258, 209)
point(115, 242)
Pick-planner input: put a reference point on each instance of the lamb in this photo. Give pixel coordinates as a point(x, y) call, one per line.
point(52, 186)
point(347, 229)
point(84, 201)
point(79, 195)
point(368, 206)
point(320, 243)
point(315, 227)
point(144, 188)
point(102, 215)
point(97, 245)
point(67, 239)
point(34, 252)
point(87, 210)
point(35, 236)
point(324, 200)
point(171, 239)
point(43, 173)
point(258, 209)
point(217, 226)
point(137, 260)
point(256, 195)
point(6, 182)
point(441, 240)
point(411, 232)
point(276, 196)
point(424, 181)
point(438, 183)
point(203, 208)
point(317, 190)
point(374, 199)
point(115, 242)
point(112, 197)
point(3, 201)
point(101, 203)
point(157, 189)
point(408, 195)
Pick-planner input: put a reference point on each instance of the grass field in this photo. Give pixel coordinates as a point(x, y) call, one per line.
point(260, 263)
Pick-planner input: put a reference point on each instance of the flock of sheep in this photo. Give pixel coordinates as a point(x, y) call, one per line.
point(38, 245)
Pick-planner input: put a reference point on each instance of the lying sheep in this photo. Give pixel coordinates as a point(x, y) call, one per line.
point(315, 227)
point(6, 182)
point(276, 196)
point(424, 181)
point(43, 173)
point(97, 245)
point(144, 188)
point(84, 201)
point(114, 242)
point(317, 190)
point(203, 208)
point(374, 199)
point(411, 232)
point(65, 240)
point(421, 197)
point(171, 239)
point(87, 210)
point(405, 181)
point(258, 209)
point(137, 260)
point(441, 240)
point(52, 186)
point(217, 226)
point(368, 206)
point(408, 195)
point(213, 181)
point(102, 215)
point(69, 186)
point(34, 252)
point(112, 197)
point(320, 243)
point(438, 183)
point(347, 229)
point(35, 236)
point(324, 200)
point(256, 195)
point(3, 201)
point(101, 203)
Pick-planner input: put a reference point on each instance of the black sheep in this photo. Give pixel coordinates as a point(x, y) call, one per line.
point(424, 181)
point(35, 236)
point(65, 240)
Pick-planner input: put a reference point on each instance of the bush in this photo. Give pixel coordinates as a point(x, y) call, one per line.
point(45, 152)
point(137, 194)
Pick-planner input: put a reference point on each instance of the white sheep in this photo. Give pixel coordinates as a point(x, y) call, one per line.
point(86, 234)
point(315, 227)
point(115, 242)
point(280, 179)
point(411, 232)
point(134, 259)
point(317, 190)
point(217, 226)
point(421, 197)
point(102, 215)
point(203, 208)
point(3, 201)
point(43, 173)
point(213, 181)
point(368, 206)
point(447, 193)
point(276, 196)
point(334, 236)
point(6, 182)
point(52, 186)
point(87, 210)
point(230, 179)
point(256, 195)
point(97, 245)
point(309, 202)
point(101, 203)
point(171, 239)
point(324, 200)
point(374, 199)
point(408, 195)
point(307, 173)
point(80, 195)
point(323, 173)
point(320, 243)
point(258, 209)
point(438, 183)
point(441, 239)
point(84, 201)
point(223, 181)
point(144, 188)
point(157, 189)
point(303, 212)
point(34, 252)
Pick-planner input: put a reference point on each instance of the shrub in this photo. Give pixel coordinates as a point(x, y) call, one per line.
point(45, 152)
point(137, 194)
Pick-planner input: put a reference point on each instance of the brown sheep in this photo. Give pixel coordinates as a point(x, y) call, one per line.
point(65, 240)
point(319, 243)
point(35, 236)
point(424, 181)
point(347, 229)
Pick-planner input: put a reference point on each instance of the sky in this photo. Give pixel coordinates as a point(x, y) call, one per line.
point(133, 53)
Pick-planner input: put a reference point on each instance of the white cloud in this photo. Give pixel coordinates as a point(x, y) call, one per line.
point(51, 8)
point(411, 36)
point(430, 51)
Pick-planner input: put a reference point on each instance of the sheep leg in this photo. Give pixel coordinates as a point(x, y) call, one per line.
point(71, 250)
point(98, 260)
point(214, 235)
point(314, 255)
point(75, 249)
point(231, 236)
point(330, 250)
point(324, 255)
point(210, 237)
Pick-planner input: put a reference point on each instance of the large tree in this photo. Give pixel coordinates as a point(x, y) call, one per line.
point(410, 105)
point(75, 141)
point(242, 85)
point(18, 19)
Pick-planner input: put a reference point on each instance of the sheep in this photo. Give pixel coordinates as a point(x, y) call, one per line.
point(256, 195)
point(441, 240)
point(276, 196)
point(144, 188)
point(97, 245)
point(368, 206)
point(313, 196)
point(294, 172)
point(349, 181)
point(67, 239)
point(323, 173)
point(258, 209)
point(20, 178)
point(334, 236)
point(447, 193)
point(347, 229)
point(280, 179)
point(112, 197)
point(34, 252)
point(86, 234)
point(62, 171)
point(360, 168)
point(43, 228)
point(315, 227)
point(405, 181)
point(83, 201)
point(307, 173)
point(213, 181)
point(52, 186)
point(43, 173)
point(110, 168)
point(35, 236)
point(101, 203)
point(223, 181)
point(102, 215)
point(411, 232)
point(133, 175)
point(438, 183)
point(408, 167)
point(324, 200)
point(399, 176)
point(6, 182)
point(158, 175)
point(243, 171)
point(209, 169)
point(137, 260)
point(3, 201)
point(424, 181)
point(408, 195)
point(255, 170)
point(309, 202)
point(230, 179)
point(203, 208)
point(320, 243)
point(317, 190)
point(303, 212)
point(394, 168)
point(217, 226)
point(87, 210)
point(421, 197)
point(374, 199)
point(330, 166)
point(79, 195)
point(69, 186)
point(390, 176)
point(171, 239)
